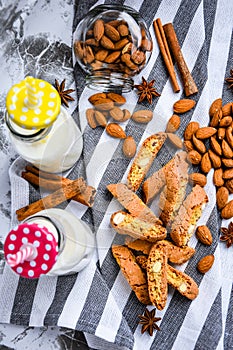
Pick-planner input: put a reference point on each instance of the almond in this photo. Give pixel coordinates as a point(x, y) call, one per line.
point(173, 123)
point(115, 23)
point(88, 55)
point(227, 211)
point(90, 115)
point(226, 121)
point(228, 163)
point(216, 118)
point(206, 163)
point(112, 57)
point(194, 157)
point(111, 32)
point(94, 98)
point(205, 132)
point(188, 146)
point(101, 54)
point(98, 29)
point(123, 30)
point(78, 49)
point(100, 118)
point(228, 174)
point(126, 58)
point(227, 109)
point(215, 146)
point(92, 42)
point(104, 104)
point(229, 185)
point(142, 116)
point(127, 115)
point(215, 159)
point(138, 57)
point(128, 48)
point(226, 150)
point(197, 179)
point(118, 99)
point(175, 140)
point(221, 133)
point(191, 128)
point(106, 43)
point(120, 44)
point(205, 264)
point(215, 106)
point(229, 136)
point(218, 177)
point(129, 147)
point(183, 106)
point(146, 45)
point(199, 145)
point(222, 196)
point(115, 130)
point(204, 235)
point(117, 114)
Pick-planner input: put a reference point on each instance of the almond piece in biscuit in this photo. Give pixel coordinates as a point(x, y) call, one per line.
point(130, 201)
point(127, 224)
point(189, 213)
point(157, 276)
point(132, 272)
point(182, 282)
point(144, 159)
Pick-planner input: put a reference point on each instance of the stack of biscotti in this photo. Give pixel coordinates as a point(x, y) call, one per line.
point(149, 272)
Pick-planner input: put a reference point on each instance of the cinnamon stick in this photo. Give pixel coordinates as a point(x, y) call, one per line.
point(190, 87)
point(52, 200)
point(86, 197)
point(159, 32)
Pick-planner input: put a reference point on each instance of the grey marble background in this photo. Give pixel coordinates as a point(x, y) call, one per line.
point(35, 39)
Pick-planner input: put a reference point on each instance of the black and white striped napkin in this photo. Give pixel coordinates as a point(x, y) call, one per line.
point(98, 300)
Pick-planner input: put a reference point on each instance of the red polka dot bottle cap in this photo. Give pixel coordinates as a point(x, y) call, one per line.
point(31, 250)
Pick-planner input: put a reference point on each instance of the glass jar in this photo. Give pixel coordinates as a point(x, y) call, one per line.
point(112, 44)
point(42, 132)
point(52, 242)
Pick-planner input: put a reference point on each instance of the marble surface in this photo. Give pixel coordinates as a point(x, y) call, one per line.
point(35, 39)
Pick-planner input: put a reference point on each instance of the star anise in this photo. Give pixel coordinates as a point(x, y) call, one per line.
point(146, 90)
point(230, 79)
point(227, 234)
point(64, 94)
point(148, 321)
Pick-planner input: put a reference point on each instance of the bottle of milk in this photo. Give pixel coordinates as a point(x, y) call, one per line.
point(52, 242)
point(41, 130)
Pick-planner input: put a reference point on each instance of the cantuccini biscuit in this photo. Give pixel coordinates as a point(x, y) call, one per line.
point(135, 276)
point(182, 282)
point(139, 246)
point(128, 224)
point(190, 211)
point(142, 261)
point(130, 201)
point(177, 255)
point(153, 185)
point(157, 276)
point(144, 159)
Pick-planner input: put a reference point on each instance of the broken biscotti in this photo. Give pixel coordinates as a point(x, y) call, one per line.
point(144, 159)
point(132, 272)
point(130, 201)
point(189, 213)
point(153, 185)
point(128, 224)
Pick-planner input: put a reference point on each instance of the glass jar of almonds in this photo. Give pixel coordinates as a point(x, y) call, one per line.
point(112, 44)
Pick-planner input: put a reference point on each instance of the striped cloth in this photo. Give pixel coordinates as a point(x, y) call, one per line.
point(98, 300)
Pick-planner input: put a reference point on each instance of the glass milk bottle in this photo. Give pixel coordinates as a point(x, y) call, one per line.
point(41, 130)
point(52, 242)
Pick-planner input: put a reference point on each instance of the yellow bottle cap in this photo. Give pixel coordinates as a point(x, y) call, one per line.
point(33, 103)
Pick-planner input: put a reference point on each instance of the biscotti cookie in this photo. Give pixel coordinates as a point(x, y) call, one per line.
point(127, 224)
point(130, 201)
point(152, 186)
point(174, 192)
point(142, 261)
point(139, 246)
point(182, 282)
point(143, 160)
point(189, 213)
point(177, 255)
point(157, 276)
point(132, 272)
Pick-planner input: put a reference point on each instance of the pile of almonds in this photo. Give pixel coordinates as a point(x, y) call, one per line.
point(110, 42)
point(107, 106)
point(217, 153)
